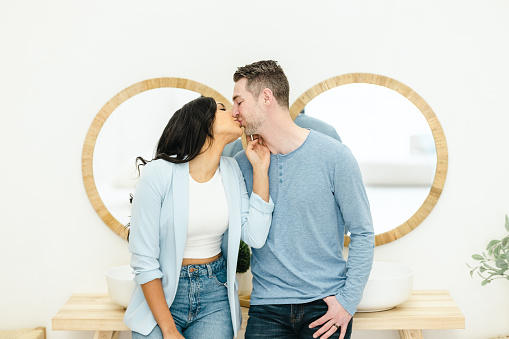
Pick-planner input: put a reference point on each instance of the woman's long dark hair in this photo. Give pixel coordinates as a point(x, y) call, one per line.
point(186, 132)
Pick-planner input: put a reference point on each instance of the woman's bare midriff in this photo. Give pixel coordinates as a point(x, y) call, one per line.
point(191, 261)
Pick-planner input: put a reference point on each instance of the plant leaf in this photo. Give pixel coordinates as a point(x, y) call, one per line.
point(484, 282)
point(496, 254)
point(492, 244)
point(477, 257)
point(490, 267)
point(505, 243)
point(501, 263)
point(507, 223)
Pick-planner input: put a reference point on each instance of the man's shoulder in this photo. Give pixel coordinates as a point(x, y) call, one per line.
point(325, 142)
point(306, 121)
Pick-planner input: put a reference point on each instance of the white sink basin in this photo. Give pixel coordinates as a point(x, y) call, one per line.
point(120, 284)
point(389, 285)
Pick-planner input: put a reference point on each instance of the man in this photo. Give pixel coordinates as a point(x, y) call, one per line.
point(302, 285)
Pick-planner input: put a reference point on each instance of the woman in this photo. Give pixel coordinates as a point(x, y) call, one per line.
point(189, 212)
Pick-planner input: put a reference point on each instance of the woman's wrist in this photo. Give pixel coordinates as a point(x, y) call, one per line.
point(260, 171)
point(261, 184)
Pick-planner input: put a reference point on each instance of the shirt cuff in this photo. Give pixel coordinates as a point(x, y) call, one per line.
point(346, 305)
point(144, 277)
point(261, 205)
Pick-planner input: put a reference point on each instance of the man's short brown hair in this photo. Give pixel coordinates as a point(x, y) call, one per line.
point(265, 74)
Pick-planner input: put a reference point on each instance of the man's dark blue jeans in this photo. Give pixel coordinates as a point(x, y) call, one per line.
point(288, 321)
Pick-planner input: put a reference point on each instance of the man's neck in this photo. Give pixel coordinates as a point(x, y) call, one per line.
point(282, 135)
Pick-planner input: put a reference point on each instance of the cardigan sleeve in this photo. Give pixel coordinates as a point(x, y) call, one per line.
point(144, 231)
point(256, 213)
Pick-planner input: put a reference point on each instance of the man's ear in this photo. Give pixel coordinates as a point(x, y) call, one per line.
point(267, 97)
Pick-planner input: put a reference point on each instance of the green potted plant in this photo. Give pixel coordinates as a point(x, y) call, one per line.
point(244, 258)
point(495, 263)
point(243, 273)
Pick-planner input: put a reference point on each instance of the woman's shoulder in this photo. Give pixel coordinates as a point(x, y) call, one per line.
point(231, 163)
point(157, 164)
point(228, 160)
point(157, 168)
point(161, 163)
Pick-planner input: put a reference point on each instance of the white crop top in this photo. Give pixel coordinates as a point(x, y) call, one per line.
point(208, 217)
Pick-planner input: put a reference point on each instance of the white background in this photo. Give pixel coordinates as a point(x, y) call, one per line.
point(61, 61)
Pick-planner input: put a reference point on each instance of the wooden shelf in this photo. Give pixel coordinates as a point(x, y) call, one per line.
point(431, 309)
point(90, 312)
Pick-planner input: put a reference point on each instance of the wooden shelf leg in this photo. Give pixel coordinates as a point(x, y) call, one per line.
point(410, 334)
point(106, 334)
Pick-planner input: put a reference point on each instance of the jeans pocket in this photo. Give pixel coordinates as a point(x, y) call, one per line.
point(220, 277)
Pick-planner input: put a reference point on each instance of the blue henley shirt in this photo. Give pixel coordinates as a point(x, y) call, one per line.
point(317, 190)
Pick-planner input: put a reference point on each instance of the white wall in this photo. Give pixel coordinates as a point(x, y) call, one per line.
point(60, 61)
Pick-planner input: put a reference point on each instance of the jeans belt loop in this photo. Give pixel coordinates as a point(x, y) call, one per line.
point(209, 270)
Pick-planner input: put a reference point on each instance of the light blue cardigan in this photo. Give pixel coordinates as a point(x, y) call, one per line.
point(159, 219)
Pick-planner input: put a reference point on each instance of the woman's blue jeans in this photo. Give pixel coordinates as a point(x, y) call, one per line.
point(201, 308)
point(287, 321)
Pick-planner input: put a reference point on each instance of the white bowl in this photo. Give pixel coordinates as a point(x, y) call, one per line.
point(120, 284)
point(389, 285)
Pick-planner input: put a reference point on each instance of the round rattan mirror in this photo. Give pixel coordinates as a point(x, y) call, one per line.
point(141, 94)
